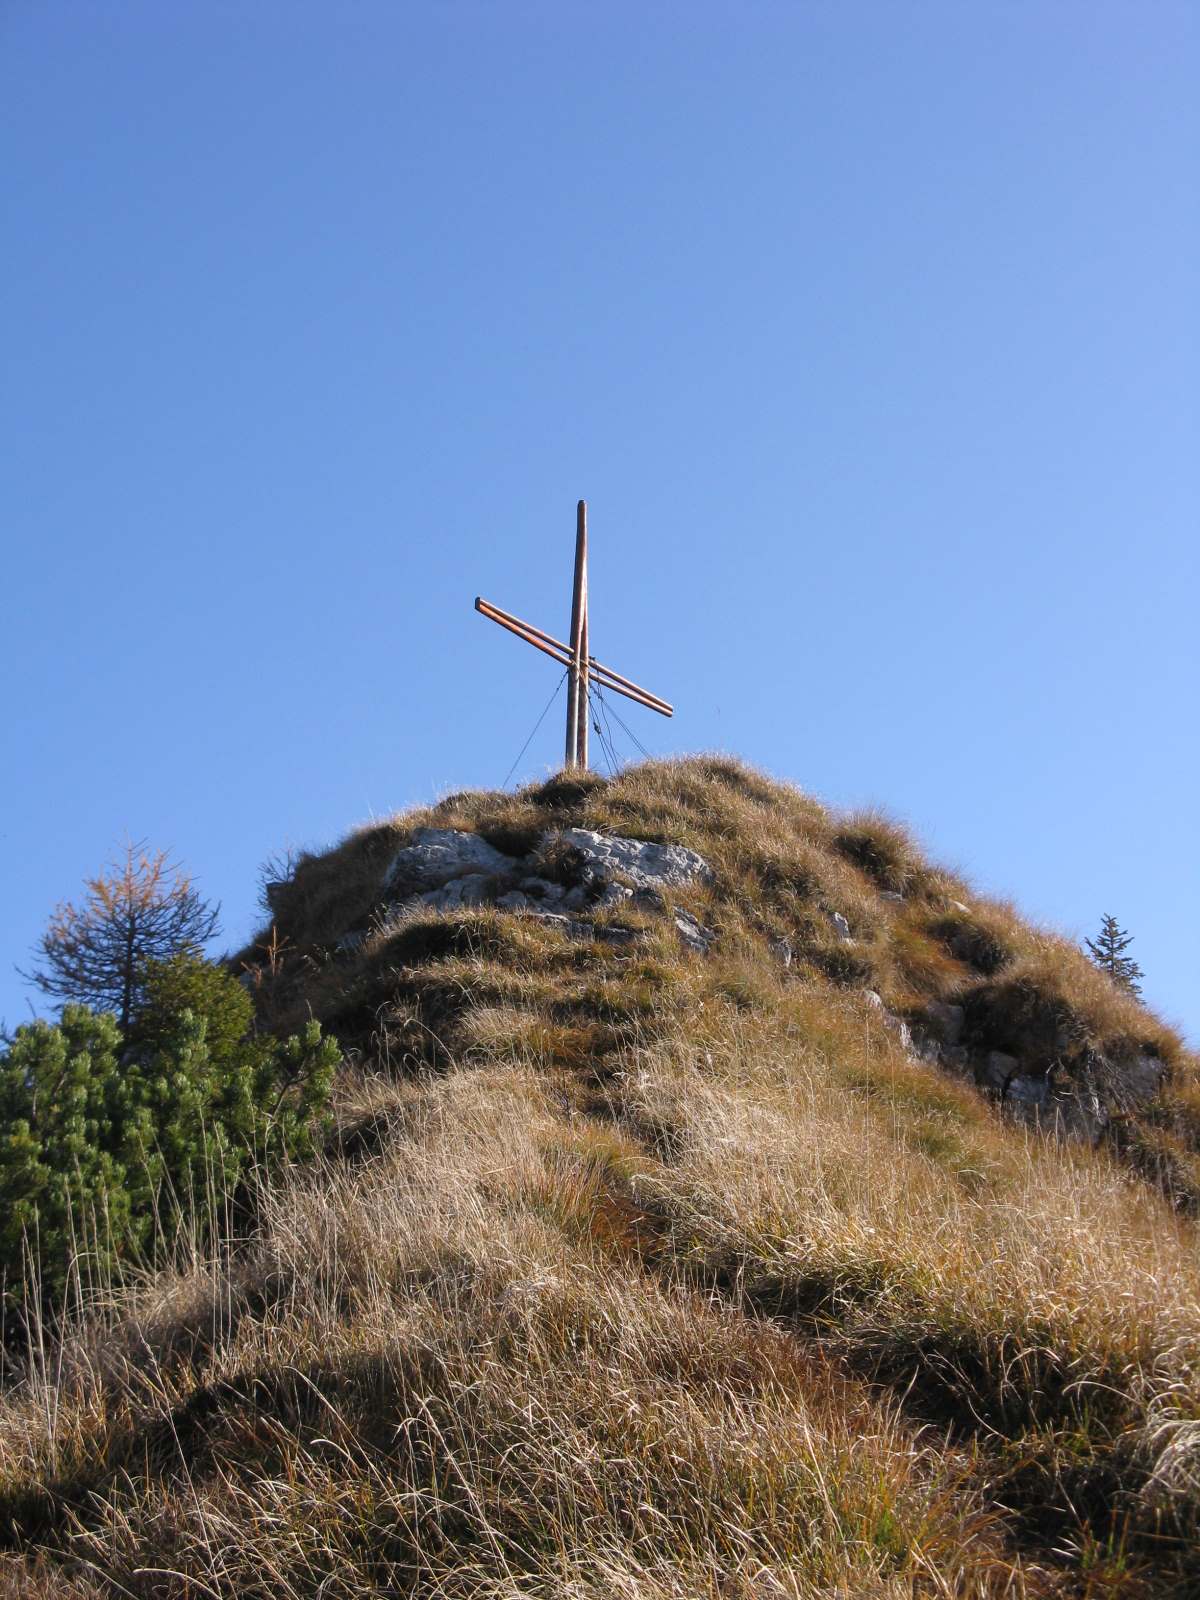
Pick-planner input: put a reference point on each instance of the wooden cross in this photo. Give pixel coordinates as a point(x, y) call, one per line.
point(582, 667)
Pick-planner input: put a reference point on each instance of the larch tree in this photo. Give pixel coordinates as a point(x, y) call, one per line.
point(1107, 950)
point(141, 909)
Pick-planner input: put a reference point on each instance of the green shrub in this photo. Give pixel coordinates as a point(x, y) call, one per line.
point(210, 993)
point(67, 1117)
point(107, 1150)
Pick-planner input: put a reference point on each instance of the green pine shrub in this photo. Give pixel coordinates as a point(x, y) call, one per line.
point(68, 1117)
point(108, 1148)
point(189, 983)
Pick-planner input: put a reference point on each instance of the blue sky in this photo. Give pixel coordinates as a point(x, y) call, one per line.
point(870, 332)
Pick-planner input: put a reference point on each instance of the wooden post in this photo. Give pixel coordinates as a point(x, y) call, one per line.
point(585, 678)
point(578, 622)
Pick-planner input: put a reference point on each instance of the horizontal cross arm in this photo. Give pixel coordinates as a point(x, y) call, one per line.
point(550, 647)
point(561, 653)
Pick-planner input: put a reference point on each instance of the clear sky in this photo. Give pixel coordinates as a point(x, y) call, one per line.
point(870, 332)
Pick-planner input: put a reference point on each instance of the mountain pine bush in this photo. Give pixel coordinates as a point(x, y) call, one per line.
point(108, 1147)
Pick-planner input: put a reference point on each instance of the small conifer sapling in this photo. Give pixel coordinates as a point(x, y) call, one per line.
point(1107, 950)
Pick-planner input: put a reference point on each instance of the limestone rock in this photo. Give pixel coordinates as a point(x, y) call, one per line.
point(946, 1021)
point(891, 1021)
point(695, 935)
point(437, 855)
point(1028, 1090)
point(644, 865)
point(576, 928)
point(542, 889)
point(1078, 1116)
point(615, 894)
point(533, 893)
point(925, 1047)
point(1137, 1081)
point(999, 1070)
point(473, 889)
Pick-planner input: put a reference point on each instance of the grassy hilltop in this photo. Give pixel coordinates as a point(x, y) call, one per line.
point(633, 1271)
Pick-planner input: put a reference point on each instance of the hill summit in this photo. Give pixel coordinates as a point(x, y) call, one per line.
point(722, 1200)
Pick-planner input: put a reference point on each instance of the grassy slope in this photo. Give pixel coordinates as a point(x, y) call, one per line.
point(635, 1273)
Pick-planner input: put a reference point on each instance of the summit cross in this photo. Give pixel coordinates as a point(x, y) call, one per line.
point(582, 667)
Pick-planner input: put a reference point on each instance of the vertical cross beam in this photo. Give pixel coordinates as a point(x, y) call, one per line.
point(585, 671)
point(577, 672)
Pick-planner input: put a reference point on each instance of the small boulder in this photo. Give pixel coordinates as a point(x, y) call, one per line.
point(891, 1021)
point(542, 889)
point(615, 894)
point(1137, 1081)
point(925, 1047)
point(1077, 1116)
point(946, 1021)
point(841, 927)
point(473, 889)
point(645, 865)
point(1028, 1090)
point(437, 855)
point(693, 934)
point(999, 1070)
point(532, 892)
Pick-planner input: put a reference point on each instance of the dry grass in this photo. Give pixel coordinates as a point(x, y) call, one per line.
point(631, 1273)
point(469, 1383)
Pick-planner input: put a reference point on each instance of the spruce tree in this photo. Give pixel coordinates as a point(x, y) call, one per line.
point(1107, 951)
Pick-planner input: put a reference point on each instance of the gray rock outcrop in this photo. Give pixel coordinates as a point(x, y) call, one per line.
point(451, 869)
point(999, 1070)
point(644, 865)
point(436, 855)
point(945, 1022)
point(694, 935)
point(472, 889)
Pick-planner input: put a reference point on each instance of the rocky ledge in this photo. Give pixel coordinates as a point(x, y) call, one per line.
point(444, 869)
point(1075, 1101)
